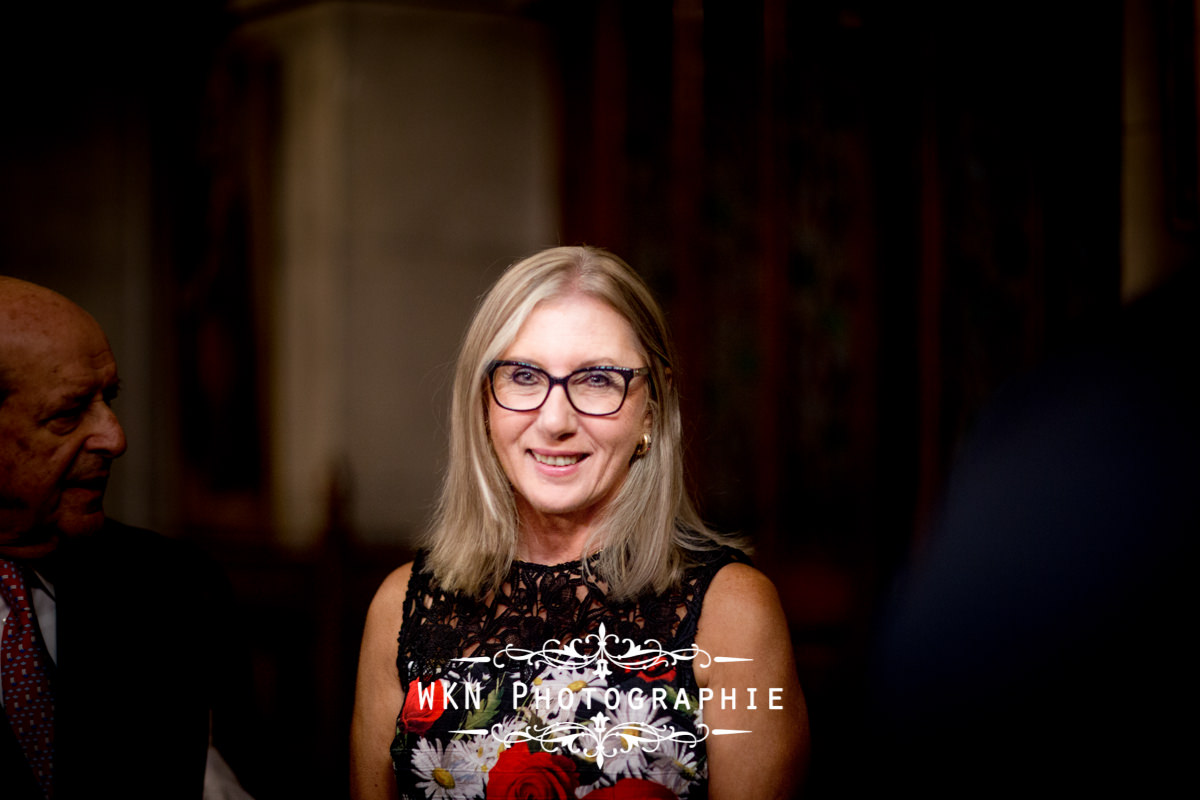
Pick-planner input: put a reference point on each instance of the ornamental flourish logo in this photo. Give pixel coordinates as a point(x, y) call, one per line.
point(574, 681)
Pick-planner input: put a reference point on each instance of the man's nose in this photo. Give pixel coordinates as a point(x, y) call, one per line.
point(107, 436)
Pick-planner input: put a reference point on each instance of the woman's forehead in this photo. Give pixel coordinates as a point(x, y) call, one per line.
point(574, 327)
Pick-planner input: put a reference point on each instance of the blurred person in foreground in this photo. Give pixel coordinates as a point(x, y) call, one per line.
point(564, 634)
point(112, 656)
point(1039, 644)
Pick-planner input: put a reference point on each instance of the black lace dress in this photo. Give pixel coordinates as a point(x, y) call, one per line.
point(549, 690)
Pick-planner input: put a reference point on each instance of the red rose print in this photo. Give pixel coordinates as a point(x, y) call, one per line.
point(413, 717)
point(632, 789)
point(521, 775)
point(660, 670)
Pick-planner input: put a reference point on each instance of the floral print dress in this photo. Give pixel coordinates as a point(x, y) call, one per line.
point(546, 689)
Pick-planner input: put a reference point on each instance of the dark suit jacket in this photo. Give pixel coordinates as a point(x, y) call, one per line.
point(1038, 644)
point(141, 658)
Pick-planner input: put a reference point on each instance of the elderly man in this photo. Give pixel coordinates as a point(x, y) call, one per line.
point(110, 651)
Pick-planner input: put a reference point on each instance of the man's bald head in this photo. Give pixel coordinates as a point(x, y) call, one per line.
point(29, 312)
point(58, 434)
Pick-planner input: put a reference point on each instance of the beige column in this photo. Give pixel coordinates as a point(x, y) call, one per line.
point(417, 155)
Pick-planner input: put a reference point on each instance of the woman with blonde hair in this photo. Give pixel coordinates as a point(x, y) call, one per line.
point(572, 629)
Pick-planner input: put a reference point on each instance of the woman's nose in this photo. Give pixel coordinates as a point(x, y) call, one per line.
point(557, 417)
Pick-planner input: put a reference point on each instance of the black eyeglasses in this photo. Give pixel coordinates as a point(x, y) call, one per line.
point(594, 391)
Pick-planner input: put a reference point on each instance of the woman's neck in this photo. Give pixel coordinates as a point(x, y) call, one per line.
point(551, 538)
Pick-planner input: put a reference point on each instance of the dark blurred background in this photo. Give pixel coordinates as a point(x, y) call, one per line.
point(863, 219)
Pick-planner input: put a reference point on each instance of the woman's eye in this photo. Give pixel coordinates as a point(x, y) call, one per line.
point(524, 377)
point(597, 379)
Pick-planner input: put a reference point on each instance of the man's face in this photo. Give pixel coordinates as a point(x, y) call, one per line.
point(58, 433)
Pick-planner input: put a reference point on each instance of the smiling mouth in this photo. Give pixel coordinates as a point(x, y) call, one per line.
point(558, 461)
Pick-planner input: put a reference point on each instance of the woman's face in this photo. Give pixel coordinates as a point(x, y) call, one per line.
point(561, 463)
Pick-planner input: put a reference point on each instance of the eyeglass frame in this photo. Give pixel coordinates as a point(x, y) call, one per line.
point(628, 373)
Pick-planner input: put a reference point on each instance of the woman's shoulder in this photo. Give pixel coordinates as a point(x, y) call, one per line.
point(701, 566)
point(740, 578)
point(390, 596)
point(742, 604)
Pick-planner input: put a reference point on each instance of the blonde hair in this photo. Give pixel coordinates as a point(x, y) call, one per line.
point(650, 530)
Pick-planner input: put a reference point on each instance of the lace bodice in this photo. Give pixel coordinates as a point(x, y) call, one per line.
point(537, 604)
point(496, 687)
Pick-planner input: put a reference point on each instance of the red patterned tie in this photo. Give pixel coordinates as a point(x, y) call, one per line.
point(25, 674)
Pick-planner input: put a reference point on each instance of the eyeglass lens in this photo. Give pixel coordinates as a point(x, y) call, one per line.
point(591, 391)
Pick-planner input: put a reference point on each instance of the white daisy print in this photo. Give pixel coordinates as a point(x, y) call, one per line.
point(557, 693)
point(675, 766)
point(442, 773)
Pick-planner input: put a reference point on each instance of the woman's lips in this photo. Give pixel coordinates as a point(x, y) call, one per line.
point(551, 460)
